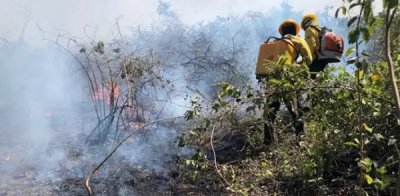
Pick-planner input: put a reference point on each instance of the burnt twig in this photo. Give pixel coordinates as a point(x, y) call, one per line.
point(91, 173)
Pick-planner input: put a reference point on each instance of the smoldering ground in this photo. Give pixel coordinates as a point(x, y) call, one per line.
point(35, 88)
point(47, 112)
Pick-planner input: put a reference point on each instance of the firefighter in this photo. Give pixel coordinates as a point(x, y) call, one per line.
point(309, 24)
point(291, 45)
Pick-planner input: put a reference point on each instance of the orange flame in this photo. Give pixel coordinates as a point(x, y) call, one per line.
point(107, 92)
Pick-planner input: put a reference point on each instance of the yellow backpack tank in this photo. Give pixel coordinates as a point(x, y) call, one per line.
point(270, 51)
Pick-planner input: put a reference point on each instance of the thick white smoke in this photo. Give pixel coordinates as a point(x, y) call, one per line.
point(40, 91)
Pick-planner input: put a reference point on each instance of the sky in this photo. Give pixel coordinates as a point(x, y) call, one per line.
point(98, 17)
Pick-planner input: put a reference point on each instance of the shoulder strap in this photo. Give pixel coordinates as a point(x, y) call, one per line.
point(269, 39)
point(288, 41)
point(318, 29)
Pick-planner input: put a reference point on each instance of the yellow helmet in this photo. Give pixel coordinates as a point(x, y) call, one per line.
point(289, 22)
point(308, 17)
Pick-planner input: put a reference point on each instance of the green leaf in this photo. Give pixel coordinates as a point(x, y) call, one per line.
point(366, 163)
point(392, 141)
point(217, 105)
point(379, 184)
point(354, 5)
point(181, 141)
point(338, 10)
point(227, 90)
point(354, 35)
point(236, 94)
point(367, 11)
point(359, 73)
point(381, 170)
point(189, 115)
point(376, 75)
point(194, 100)
point(264, 164)
point(372, 25)
point(378, 137)
point(366, 34)
point(380, 21)
point(349, 51)
point(249, 95)
point(351, 60)
point(274, 81)
point(268, 173)
point(344, 10)
point(351, 144)
point(366, 128)
point(195, 175)
point(364, 53)
point(187, 162)
point(351, 21)
point(368, 179)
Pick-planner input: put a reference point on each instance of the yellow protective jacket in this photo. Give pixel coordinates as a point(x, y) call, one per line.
point(311, 36)
point(290, 47)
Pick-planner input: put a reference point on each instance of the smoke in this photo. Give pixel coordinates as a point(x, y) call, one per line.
point(45, 101)
point(39, 91)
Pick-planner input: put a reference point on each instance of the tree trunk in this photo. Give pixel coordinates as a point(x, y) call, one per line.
point(392, 74)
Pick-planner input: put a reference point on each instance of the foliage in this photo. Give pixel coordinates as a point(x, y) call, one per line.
point(351, 142)
point(327, 156)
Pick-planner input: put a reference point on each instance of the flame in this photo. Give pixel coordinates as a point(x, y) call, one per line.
point(106, 92)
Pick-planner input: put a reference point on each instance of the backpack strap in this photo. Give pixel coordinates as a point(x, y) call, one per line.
point(318, 29)
point(288, 41)
point(269, 39)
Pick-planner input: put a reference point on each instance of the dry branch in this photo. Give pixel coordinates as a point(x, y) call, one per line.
point(215, 159)
point(91, 173)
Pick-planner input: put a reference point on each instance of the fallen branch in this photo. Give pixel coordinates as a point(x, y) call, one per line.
point(215, 159)
point(91, 173)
